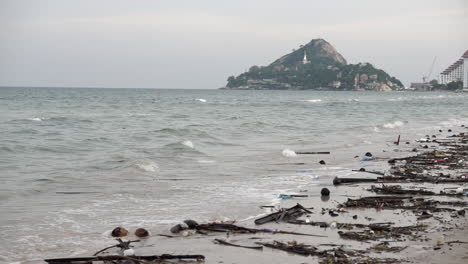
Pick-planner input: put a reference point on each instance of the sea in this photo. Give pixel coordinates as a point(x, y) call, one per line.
point(76, 162)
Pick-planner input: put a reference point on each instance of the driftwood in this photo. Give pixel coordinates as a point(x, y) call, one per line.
point(301, 249)
point(284, 214)
point(397, 189)
point(337, 181)
point(372, 172)
point(122, 245)
point(223, 242)
point(138, 259)
point(313, 152)
point(339, 225)
point(215, 227)
point(456, 242)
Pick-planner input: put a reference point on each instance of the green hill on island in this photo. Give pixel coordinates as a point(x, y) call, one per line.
point(316, 65)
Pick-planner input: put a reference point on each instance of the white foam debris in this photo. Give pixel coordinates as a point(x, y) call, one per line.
point(35, 119)
point(376, 129)
point(188, 143)
point(201, 100)
point(313, 100)
point(288, 153)
point(393, 125)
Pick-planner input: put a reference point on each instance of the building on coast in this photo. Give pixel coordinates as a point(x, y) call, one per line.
point(457, 72)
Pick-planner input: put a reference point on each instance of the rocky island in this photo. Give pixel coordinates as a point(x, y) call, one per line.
point(318, 66)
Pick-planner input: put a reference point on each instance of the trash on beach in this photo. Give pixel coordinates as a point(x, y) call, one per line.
point(283, 215)
point(289, 196)
point(141, 232)
point(119, 232)
point(325, 192)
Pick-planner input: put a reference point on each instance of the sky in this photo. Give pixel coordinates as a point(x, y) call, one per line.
point(198, 44)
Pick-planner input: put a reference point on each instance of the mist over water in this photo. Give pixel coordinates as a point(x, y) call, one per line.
point(75, 163)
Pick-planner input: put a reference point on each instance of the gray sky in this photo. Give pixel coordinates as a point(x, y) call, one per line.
point(199, 43)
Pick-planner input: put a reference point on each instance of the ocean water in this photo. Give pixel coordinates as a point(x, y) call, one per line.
point(75, 163)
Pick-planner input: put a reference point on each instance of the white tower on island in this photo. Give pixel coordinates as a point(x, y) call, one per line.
point(304, 60)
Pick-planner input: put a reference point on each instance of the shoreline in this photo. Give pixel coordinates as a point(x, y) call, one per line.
point(426, 245)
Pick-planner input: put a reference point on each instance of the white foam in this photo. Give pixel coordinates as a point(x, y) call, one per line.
point(35, 119)
point(288, 153)
point(313, 100)
point(393, 125)
point(453, 122)
point(397, 99)
point(201, 100)
point(367, 142)
point(206, 161)
point(147, 165)
point(188, 143)
point(376, 129)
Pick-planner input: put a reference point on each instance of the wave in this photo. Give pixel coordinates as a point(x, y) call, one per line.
point(393, 125)
point(201, 100)
point(185, 133)
point(188, 143)
point(206, 161)
point(36, 119)
point(146, 165)
point(312, 100)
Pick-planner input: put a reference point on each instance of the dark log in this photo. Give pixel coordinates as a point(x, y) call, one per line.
point(223, 242)
point(338, 181)
point(373, 172)
point(313, 152)
point(141, 259)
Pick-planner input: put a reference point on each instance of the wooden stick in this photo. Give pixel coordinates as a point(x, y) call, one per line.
point(313, 152)
point(223, 242)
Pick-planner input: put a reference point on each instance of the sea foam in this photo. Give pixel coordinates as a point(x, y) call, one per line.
point(201, 100)
point(288, 153)
point(393, 125)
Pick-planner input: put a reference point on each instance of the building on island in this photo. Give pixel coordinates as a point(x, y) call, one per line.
point(304, 60)
point(458, 71)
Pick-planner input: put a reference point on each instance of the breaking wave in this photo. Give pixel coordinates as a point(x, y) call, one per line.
point(188, 143)
point(146, 165)
point(313, 100)
point(393, 125)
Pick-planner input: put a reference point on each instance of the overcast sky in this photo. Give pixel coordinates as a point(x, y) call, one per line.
point(199, 43)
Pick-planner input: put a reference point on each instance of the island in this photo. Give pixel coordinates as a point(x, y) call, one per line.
point(314, 66)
